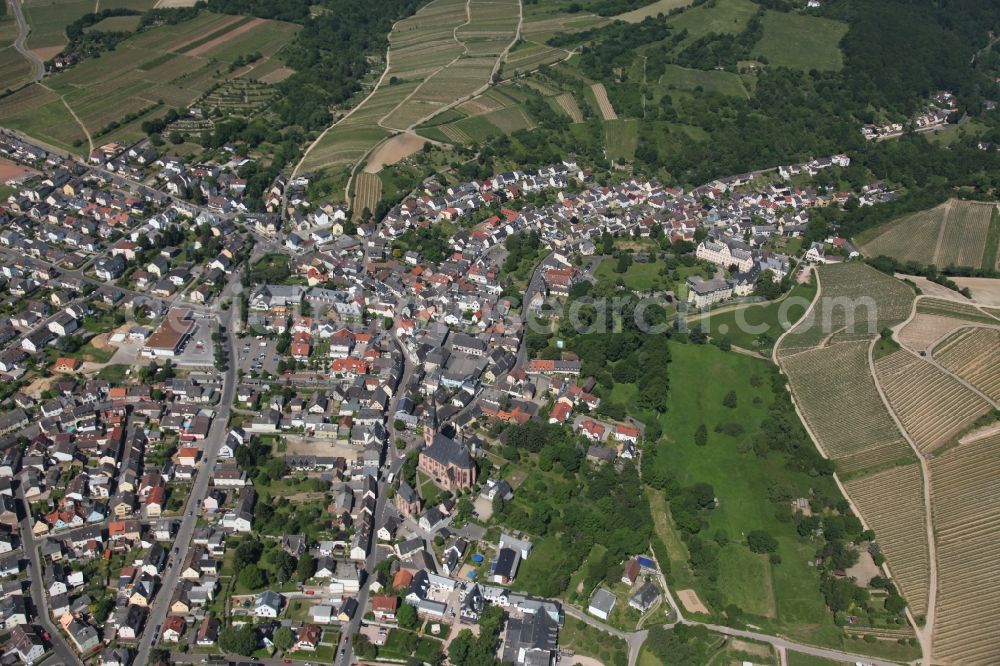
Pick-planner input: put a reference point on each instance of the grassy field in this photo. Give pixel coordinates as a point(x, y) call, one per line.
point(143, 70)
point(801, 42)
point(48, 20)
point(803, 659)
point(723, 16)
point(717, 81)
point(621, 138)
point(745, 325)
point(638, 277)
point(737, 476)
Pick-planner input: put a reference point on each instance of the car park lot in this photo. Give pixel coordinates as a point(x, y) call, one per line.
point(258, 355)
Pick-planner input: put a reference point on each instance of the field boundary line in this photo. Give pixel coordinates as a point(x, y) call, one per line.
point(941, 232)
point(925, 634)
point(934, 362)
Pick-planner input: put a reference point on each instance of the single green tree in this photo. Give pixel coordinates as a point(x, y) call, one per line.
point(284, 638)
point(701, 435)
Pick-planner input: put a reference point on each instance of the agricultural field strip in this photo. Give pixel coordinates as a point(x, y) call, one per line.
point(839, 400)
point(922, 332)
point(974, 355)
point(603, 103)
point(856, 297)
point(892, 504)
point(932, 405)
point(965, 232)
point(911, 238)
point(967, 523)
point(367, 191)
point(953, 233)
point(431, 31)
point(456, 79)
point(946, 308)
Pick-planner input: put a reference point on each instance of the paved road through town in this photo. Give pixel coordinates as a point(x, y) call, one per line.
point(60, 648)
point(216, 435)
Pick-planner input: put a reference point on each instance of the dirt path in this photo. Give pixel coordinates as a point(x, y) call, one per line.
point(90, 140)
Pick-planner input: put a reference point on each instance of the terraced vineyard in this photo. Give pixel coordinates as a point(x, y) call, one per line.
point(367, 191)
point(446, 51)
point(892, 504)
point(921, 332)
point(856, 302)
point(965, 232)
point(956, 309)
point(974, 355)
point(967, 523)
point(955, 233)
point(931, 405)
point(839, 401)
point(910, 238)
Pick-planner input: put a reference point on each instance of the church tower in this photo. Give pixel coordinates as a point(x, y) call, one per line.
point(431, 428)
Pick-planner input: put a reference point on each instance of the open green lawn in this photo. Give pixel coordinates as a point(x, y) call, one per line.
point(723, 16)
point(803, 659)
point(744, 325)
point(621, 138)
point(699, 378)
point(585, 640)
point(550, 552)
point(746, 578)
point(717, 81)
point(639, 276)
point(801, 42)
